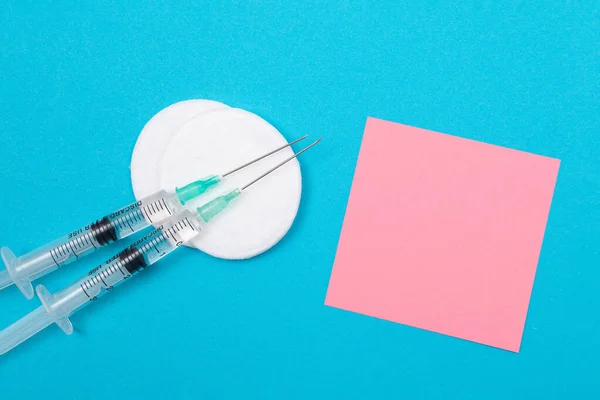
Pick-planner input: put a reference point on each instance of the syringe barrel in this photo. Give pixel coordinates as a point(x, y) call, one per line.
point(121, 267)
point(119, 224)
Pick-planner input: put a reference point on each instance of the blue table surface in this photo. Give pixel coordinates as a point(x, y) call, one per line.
point(79, 80)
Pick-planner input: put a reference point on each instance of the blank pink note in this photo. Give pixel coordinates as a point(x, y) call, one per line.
point(443, 233)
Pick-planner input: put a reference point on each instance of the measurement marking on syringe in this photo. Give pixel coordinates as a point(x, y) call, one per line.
point(89, 240)
point(137, 216)
point(72, 250)
point(127, 219)
point(165, 204)
point(119, 223)
point(147, 215)
point(61, 250)
point(54, 259)
point(190, 225)
point(155, 244)
point(106, 274)
point(115, 268)
point(151, 244)
point(119, 264)
point(131, 217)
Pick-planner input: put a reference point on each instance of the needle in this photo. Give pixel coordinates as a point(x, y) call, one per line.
point(281, 163)
point(264, 155)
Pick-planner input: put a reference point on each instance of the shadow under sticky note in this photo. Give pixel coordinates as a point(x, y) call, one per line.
point(443, 233)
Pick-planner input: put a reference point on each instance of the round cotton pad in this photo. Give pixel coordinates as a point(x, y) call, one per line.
point(155, 136)
point(217, 142)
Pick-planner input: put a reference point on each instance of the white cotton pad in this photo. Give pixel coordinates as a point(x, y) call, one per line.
point(217, 142)
point(155, 137)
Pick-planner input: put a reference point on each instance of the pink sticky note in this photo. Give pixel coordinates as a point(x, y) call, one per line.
point(443, 233)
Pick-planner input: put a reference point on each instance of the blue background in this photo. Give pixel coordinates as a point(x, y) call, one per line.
point(79, 80)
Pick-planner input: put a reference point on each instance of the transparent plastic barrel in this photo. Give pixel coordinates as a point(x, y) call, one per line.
point(123, 266)
point(119, 224)
point(100, 280)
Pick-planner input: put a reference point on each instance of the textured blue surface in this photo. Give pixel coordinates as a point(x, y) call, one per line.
point(78, 82)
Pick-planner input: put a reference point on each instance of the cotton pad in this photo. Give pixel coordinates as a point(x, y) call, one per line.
point(155, 136)
point(217, 142)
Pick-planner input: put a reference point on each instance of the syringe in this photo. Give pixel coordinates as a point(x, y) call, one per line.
point(126, 221)
point(59, 307)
